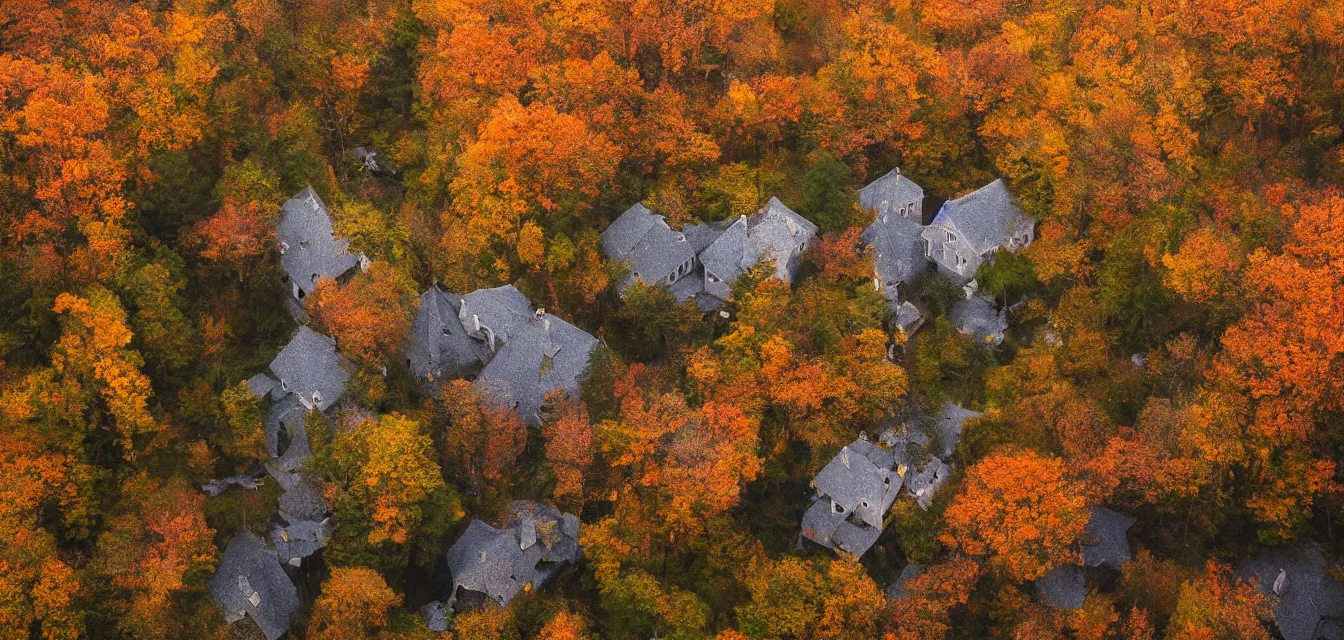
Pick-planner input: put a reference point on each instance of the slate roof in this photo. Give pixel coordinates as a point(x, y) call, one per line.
point(1306, 593)
point(250, 582)
point(295, 541)
point(438, 347)
point(540, 356)
point(528, 550)
point(890, 192)
point(435, 615)
point(855, 490)
point(908, 317)
point(984, 218)
point(309, 248)
point(948, 423)
point(897, 588)
point(655, 254)
point(502, 309)
point(776, 231)
point(303, 500)
point(1104, 542)
point(261, 385)
point(1064, 587)
point(897, 245)
point(309, 364)
point(978, 319)
point(726, 255)
point(621, 236)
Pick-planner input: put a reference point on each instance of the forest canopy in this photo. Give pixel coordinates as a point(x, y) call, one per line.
point(694, 319)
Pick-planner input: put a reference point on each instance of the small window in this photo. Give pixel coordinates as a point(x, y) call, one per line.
point(284, 246)
point(303, 243)
point(951, 237)
point(301, 294)
point(314, 278)
point(447, 331)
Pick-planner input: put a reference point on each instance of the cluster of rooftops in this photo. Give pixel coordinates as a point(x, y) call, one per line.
point(701, 261)
point(516, 354)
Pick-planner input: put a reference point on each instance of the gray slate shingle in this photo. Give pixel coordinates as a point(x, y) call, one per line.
point(1064, 587)
point(986, 217)
point(250, 582)
point(309, 365)
point(855, 490)
point(501, 563)
point(1307, 594)
point(1105, 542)
point(897, 588)
point(978, 319)
point(438, 347)
point(897, 246)
point(778, 233)
point(310, 250)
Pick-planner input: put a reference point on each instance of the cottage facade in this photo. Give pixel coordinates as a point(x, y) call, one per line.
point(968, 231)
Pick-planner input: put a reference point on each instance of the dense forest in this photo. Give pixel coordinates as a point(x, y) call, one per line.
point(477, 420)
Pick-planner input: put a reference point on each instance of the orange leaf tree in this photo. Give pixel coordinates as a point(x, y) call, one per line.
point(1020, 511)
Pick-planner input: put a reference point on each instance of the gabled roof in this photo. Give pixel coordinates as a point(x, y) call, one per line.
point(303, 500)
point(500, 308)
point(308, 364)
point(220, 485)
point(855, 489)
point(250, 582)
point(726, 255)
point(309, 248)
point(924, 484)
point(621, 236)
point(1294, 578)
point(539, 356)
point(529, 550)
point(438, 344)
point(295, 541)
point(656, 253)
point(894, 189)
point(777, 230)
point(860, 479)
point(1105, 543)
point(897, 251)
point(984, 218)
point(1064, 587)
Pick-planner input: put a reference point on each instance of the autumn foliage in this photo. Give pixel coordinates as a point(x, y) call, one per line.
point(1174, 348)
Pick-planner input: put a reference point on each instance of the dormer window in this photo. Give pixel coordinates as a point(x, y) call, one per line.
point(317, 398)
point(284, 246)
point(836, 508)
point(303, 244)
point(314, 278)
point(447, 331)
